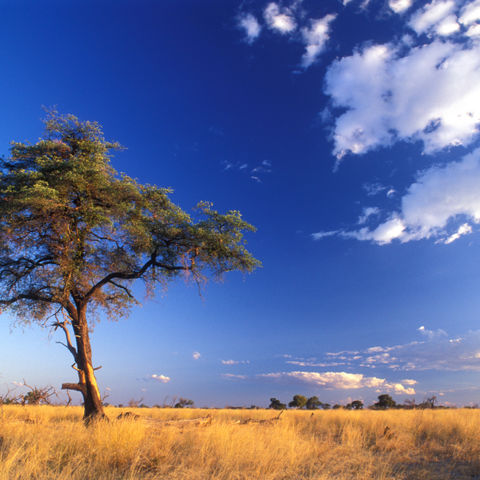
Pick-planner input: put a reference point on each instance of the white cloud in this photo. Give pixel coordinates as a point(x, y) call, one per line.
point(436, 351)
point(320, 235)
point(470, 13)
point(447, 26)
point(432, 16)
point(196, 355)
point(232, 376)
point(281, 20)
point(367, 213)
point(430, 93)
point(473, 31)
point(431, 334)
point(393, 228)
point(373, 189)
point(160, 378)
point(341, 381)
point(250, 25)
point(439, 197)
point(399, 6)
point(235, 362)
point(303, 363)
point(315, 39)
point(463, 229)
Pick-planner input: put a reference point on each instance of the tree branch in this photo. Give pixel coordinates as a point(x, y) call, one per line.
point(79, 387)
point(133, 275)
point(27, 296)
point(122, 287)
point(69, 344)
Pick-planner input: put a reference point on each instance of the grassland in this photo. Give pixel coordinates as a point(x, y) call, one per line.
point(52, 443)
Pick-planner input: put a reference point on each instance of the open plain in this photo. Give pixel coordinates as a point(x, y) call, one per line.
point(51, 442)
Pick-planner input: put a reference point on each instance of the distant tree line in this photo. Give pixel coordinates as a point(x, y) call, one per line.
point(384, 402)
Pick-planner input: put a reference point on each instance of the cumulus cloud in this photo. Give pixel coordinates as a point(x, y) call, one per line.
point(159, 378)
point(196, 355)
point(341, 381)
point(279, 19)
point(250, 25)
point(429, 93)
point(437, 16)
point(399, 6)
point(315, 39)
point(433, 204)
point(470, 13)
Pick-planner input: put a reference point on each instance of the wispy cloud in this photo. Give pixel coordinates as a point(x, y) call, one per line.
point(233, 376)
point(330, 233)
point(159, 378)
point(315, 38)
point(435, 206)
point(255, 172)
point(367, 213)
point(235, 362)
point(249, 24)
point(435, 350)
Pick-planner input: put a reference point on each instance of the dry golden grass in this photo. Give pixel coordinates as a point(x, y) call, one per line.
point(52, 443)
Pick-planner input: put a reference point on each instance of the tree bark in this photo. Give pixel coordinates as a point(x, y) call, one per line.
point(87, 383)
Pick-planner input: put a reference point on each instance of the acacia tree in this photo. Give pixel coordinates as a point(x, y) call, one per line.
point(75, 234)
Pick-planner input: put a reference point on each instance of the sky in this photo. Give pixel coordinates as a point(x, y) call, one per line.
point(346, 132)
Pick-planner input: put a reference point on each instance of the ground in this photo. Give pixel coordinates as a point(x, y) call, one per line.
point(49, 442)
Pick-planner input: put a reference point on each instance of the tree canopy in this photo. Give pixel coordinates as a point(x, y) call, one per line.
point(75, 234)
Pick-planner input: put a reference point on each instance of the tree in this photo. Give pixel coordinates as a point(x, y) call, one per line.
point(299, 401)
point(429, 402)
point(37, 395)
point(276, 404)
point(385, 401)
point(75, 234)
point(355, 405)
point(313, 403)
point(184, 402)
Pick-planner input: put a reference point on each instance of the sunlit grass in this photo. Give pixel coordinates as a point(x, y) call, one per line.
point(52, 443)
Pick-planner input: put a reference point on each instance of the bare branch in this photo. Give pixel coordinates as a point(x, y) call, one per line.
point(69, 344)
point(79, 387)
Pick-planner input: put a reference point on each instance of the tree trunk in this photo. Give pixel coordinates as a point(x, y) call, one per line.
point(87, 383)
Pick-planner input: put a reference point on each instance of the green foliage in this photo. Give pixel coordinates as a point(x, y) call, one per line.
point(385, 401)
point(313, 403)
point(276, 404)
point(355, 405)
point(299, 401)
point(75, 233)
point(184, 402)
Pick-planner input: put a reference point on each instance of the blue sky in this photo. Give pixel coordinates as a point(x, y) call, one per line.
point(346, 132)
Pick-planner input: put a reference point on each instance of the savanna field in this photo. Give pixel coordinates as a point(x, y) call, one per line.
point(51, 442)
